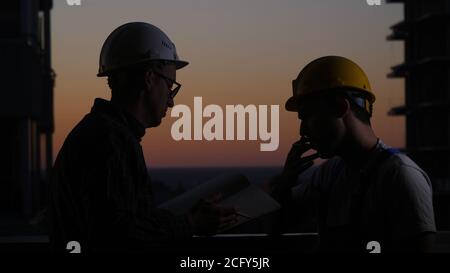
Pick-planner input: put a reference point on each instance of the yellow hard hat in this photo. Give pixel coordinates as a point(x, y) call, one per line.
point(330, 74)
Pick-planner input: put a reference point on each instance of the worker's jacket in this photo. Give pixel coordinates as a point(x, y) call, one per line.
point(100, 194)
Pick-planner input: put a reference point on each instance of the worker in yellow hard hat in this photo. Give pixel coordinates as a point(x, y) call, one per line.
point(369, 195)
point(320, 85)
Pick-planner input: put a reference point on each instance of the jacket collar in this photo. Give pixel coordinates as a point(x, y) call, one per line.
point(120, 115)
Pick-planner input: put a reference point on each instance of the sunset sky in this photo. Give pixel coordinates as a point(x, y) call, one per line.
point(240, 52)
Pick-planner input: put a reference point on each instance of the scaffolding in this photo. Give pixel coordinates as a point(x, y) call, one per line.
point(426, 70)
point(26, 111)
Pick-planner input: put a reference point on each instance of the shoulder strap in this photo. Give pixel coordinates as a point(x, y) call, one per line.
point(325, 196)
point(385, 154)
point(368, 178)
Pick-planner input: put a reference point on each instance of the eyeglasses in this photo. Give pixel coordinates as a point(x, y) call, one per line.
point(173, 86)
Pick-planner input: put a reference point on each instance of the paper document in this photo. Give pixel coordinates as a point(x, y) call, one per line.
point(235, 191)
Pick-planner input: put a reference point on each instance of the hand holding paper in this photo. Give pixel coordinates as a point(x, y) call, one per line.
point(235, 197)
point(207, 216)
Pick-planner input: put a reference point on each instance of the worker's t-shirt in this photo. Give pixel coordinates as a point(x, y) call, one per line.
point(389, 200)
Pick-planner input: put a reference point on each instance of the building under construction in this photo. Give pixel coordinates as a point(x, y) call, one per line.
point(26, 114)
point(426, 70)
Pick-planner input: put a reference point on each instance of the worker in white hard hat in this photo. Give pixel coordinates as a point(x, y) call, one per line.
point(100, 194)
point(369, 197)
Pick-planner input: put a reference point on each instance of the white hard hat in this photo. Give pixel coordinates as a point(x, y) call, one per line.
point(136, 43)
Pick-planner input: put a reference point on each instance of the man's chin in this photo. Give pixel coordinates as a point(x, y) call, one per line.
point(325, 154)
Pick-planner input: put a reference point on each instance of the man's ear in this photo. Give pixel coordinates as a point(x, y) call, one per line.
point(149, 79)
point(342, 106)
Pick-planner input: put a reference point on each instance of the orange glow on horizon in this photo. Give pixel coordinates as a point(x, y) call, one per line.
point(248, 58)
